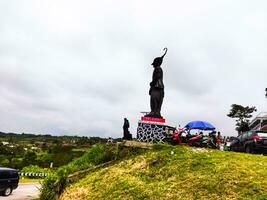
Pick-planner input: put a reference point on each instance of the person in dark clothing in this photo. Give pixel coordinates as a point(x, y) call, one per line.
point(156, 90)
point(126, 133)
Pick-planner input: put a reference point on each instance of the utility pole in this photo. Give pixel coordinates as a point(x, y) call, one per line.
point(266, 92)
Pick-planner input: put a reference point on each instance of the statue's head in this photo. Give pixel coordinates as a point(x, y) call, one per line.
point(158, 61)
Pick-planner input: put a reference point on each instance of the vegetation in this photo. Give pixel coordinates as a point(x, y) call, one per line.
point(242, 115)
point(30, 180)
point(36, 169)
point(54, 184)
point(21, 150)
point(179, 172)
point(27, 138)
point(18, 157)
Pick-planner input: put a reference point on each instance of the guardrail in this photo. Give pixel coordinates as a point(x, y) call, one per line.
point(32, 174)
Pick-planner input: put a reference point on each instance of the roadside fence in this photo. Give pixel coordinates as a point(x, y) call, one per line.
point(33, 175)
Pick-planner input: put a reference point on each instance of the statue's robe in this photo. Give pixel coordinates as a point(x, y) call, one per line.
point(156, 92)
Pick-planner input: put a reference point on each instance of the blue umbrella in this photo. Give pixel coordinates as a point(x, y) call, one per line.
point(202, 125)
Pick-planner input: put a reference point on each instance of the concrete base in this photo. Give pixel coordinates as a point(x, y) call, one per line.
point(153, 131)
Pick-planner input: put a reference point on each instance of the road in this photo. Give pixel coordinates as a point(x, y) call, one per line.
point(25, 191)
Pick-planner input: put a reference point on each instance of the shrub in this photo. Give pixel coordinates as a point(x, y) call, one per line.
point(4, 161)
point(35, 169)
point(48, 190)
point(55, 183)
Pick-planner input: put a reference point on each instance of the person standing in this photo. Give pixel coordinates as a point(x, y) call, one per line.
point(218, 140)
point(126, 133)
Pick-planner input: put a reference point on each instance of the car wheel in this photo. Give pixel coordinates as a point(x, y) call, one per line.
point(248, 149)
point(7, 191)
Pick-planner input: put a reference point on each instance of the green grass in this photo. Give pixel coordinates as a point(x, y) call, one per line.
point(30, 180)
point(80, 150)
point(187, 173)
point(56, 182)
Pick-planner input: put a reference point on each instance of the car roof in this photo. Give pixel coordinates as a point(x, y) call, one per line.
point(7, 169)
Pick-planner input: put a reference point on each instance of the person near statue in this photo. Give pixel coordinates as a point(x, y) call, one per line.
point(156, 90)
point(126, 133)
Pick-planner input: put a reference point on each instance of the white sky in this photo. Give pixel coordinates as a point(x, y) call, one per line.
point(79, 67)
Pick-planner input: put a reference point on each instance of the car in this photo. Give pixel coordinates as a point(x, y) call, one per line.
point(9, 180)
point(250, 142)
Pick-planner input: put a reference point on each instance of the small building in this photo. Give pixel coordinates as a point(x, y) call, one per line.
point(259, 121)
point(40, 144)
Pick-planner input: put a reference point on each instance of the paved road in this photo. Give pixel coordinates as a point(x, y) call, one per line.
point(25, 191)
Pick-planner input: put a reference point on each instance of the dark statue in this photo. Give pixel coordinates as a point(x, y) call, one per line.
point(156, 90)
point(126, 133)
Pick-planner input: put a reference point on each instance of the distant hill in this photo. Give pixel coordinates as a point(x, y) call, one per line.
point(179, 172)
point(29, 137)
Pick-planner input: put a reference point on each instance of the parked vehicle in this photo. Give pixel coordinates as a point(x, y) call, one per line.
point(250, 142)
point(9, 180)
point(181, 136)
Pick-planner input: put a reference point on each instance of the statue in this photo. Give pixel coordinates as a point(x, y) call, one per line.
point(126, 133)
point(156, 90)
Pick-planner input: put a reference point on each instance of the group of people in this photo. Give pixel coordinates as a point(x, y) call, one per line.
point(216, 138)
point(218, 141)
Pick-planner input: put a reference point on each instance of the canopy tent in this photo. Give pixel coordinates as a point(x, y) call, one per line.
point(201, 125)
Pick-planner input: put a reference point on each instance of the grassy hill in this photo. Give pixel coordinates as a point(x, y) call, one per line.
point(169, 172)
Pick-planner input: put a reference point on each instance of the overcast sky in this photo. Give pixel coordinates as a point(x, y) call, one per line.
point(79, 67)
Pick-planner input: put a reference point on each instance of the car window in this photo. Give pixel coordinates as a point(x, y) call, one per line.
point(4, 174)
point(13, 174)
point(244, 135)
point(250, 133)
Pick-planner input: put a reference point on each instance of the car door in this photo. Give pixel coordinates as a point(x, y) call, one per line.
point(233, 144)
point(249, 138)
point(243, 139)
point(14, 178)
point(238, 143)
point(4, 175)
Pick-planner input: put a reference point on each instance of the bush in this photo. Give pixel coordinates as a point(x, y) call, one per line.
point(55, 183)
point(48, 190)
point(35, 169)
point(16, 163)
point(4, 161)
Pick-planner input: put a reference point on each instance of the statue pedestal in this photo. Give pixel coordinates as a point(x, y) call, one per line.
point(153, 130)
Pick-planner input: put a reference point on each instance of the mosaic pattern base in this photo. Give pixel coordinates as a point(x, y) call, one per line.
point(148, 132)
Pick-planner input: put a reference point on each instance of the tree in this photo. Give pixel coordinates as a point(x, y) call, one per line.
point(29, 158)
point(4, 161)
point(242, 115)
point(16, 163)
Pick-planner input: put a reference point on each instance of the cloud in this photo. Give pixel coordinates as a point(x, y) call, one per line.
point(80, 68)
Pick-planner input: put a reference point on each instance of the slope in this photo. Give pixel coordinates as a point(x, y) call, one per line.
point(168, 172)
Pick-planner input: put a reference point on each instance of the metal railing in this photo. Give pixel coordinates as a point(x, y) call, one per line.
point(32, 174)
